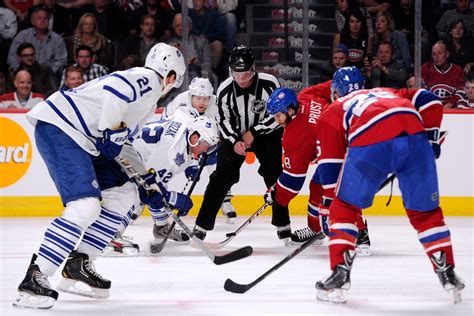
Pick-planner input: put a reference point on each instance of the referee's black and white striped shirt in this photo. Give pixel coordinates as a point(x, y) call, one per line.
point(241, 110)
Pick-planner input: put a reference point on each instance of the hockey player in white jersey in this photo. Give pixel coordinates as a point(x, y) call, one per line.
point(200, 100)
point(78, 134)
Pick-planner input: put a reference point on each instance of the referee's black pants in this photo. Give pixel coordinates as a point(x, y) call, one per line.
point(268, 150)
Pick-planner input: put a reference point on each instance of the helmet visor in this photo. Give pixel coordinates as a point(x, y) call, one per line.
point(243, 76)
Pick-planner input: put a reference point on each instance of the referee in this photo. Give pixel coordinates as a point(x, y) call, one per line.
point(245, 126)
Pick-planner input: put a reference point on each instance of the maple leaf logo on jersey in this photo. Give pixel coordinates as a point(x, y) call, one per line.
point(179, 159)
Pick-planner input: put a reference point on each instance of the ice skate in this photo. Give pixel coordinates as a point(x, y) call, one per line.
point(228, 210)
point(363, 243)
point(121, 245)
point(303, 235)
point(284, 234)
point(35, 290)
point(199, 232)
point(334, 288)
point(80, 277)
point(177, 235)
point(449, 280)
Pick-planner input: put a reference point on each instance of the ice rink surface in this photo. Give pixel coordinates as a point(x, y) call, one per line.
point(396, 280)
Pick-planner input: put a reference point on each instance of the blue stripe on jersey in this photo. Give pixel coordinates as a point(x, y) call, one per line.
point(424, 97)
point(292, 182)
point(361, 131)
point(329, 172)
point(56, 110)
point(129, 84)
point(435, 237)
point(78, 113)
point(158, 214)
point(116, 93)
point(94, 241)
point(67, 226)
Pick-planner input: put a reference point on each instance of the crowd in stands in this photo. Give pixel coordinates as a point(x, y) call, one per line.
point(62, 43)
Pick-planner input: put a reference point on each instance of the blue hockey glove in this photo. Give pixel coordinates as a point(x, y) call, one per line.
point(324, 214)
point(110, 145)
point(153, 198)
point(433, 137)
point(178, 201)
point(191, 172)
point(269, 196)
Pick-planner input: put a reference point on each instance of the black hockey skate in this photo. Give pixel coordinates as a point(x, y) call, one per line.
point(447, 277)
point(35, 290)
point(228, 210)
point(303, 235)
point(160, 232)
point(79, 268)
point(335, 288)
point(199, 232)
point(363, 242)
point(284, 234)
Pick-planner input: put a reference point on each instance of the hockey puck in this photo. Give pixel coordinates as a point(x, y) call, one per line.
point(134, 216)
point(230, 234)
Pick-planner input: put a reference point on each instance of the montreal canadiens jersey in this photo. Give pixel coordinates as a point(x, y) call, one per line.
point(444, 84)
point(163, 146)
point(84, 112)
point(299, 142)
point(183, 101)
point(11, 101)
point(367, 117)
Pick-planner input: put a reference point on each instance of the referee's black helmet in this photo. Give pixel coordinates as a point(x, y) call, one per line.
point(241, 59)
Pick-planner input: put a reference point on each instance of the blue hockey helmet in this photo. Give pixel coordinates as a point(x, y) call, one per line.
point(280, 100)
point(346, 80)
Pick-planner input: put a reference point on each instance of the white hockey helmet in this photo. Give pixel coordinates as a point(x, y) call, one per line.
point(163, 59)
point(208, 132)
point(201, 87)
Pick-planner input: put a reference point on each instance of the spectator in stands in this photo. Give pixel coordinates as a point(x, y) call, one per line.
point(443, 77)
point(73, 77)
point(461, 12)
point(375, 6)
point(385, 31)
point(199, 52)
point(384, 71)
point(59, 17)
point(130, 61)
point(84, 60)
point(42, 77)
point(87, 33)
point(20, 8)
point(111, 20)
point(411, 83)
point(141, 44)
point(469, 89)
point(49, 46)
point(227, 9)
point(8, 28)
point(22, 98)
point(208, 24)
point(354, 35)
point(338, 60)
point(461, 49)
point(163, 19)
point(404, 16)
point(344, 7)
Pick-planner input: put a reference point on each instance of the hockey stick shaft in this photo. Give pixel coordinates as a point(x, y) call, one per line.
point(159, 247)
point(232, 235)
point(229, 257)
point(234, 287)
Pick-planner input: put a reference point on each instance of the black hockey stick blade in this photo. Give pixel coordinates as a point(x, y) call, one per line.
point(233, 287)
point(234, 255)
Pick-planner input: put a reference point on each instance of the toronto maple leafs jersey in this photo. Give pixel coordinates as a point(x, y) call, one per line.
point(183, 102)
point(84, 112)
point(163, 146)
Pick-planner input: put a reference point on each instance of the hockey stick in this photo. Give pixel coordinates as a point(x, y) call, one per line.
point(234, 287)
point(232, 235)
point(226, 258)
point(156, 248)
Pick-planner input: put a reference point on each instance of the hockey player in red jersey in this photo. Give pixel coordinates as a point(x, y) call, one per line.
point(384, 133)
point(300, 149)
